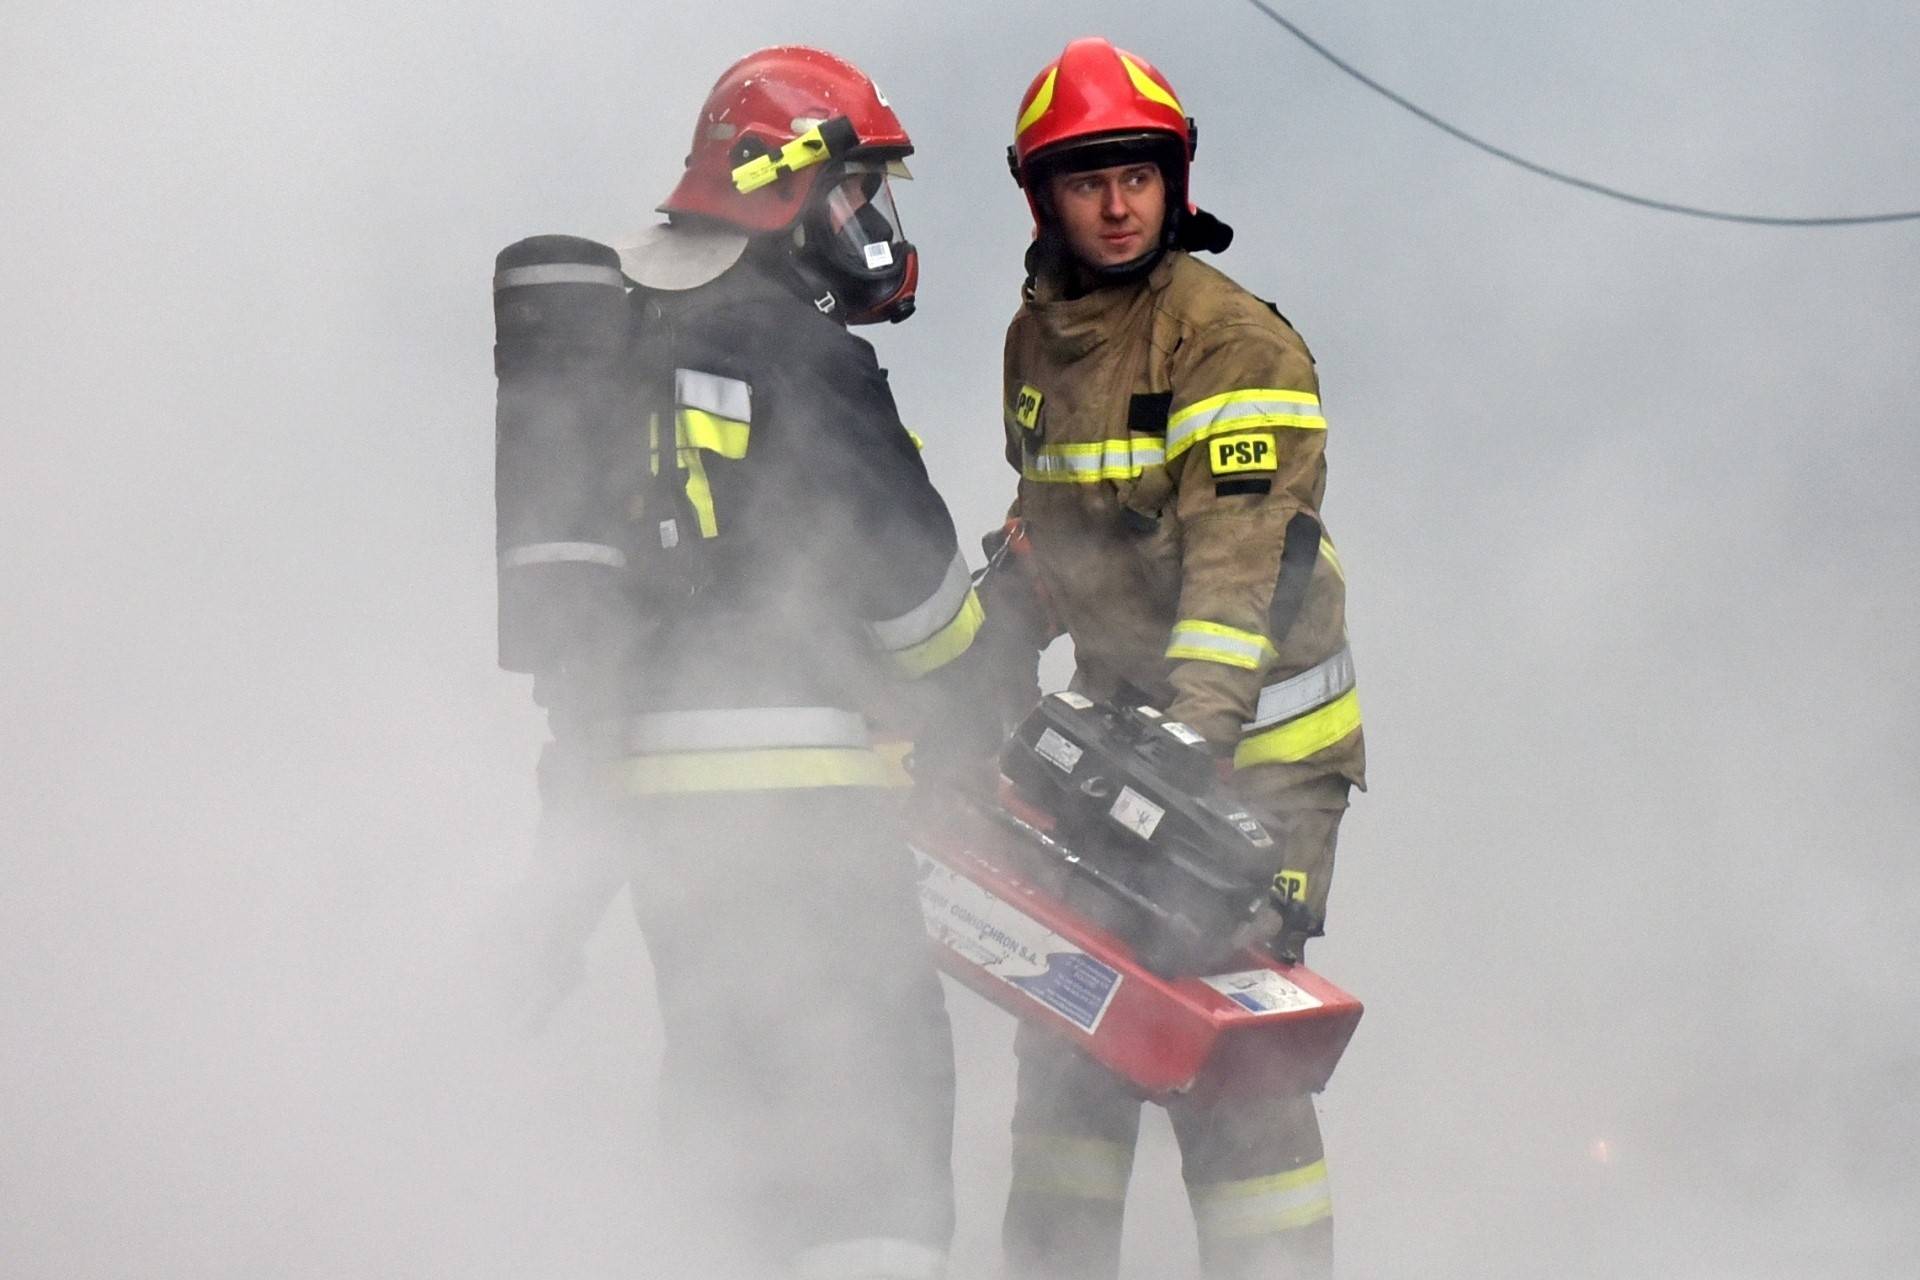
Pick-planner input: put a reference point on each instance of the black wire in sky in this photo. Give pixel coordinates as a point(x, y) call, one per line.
point(1753, 219)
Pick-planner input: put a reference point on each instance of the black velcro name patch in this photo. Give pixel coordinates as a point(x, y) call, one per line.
point(1228, 488)
point(1147, 414)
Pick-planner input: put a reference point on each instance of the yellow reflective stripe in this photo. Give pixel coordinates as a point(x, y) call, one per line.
point(696, 430)
point(1263, 1206)
point(914, 436)
point(1333, 558)
point(893, 755)
point(1144, 85)
point(689, 427)
point(1082, 1168)
point(774, 769)
point(1297, 739)
point(946, 644)
point(1242, 411)
point(1041, 101)
point(702, 430)
point(1093, 461)
point(1215, 642)
point(700, 493)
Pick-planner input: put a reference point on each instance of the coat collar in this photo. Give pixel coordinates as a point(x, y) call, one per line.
point(1072, 327)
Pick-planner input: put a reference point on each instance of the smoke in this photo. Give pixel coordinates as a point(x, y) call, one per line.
point(1624, 504)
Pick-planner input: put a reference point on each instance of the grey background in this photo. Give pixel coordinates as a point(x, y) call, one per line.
point(1625, 502)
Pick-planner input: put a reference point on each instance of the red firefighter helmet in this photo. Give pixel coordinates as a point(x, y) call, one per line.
point(797, 139)
point(1096, 105)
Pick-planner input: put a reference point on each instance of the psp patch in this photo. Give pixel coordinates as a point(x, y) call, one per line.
point(1290, 885)
point(1235, 455)
point(1026, 408)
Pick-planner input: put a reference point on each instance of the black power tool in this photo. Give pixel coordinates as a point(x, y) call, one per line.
point(1140, 831)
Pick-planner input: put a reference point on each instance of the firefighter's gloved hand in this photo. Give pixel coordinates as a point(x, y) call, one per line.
point(960, 735)
point(1019, 624)
point(1282, 930)
point(957, 765)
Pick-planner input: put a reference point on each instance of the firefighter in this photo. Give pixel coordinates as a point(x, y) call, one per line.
point(1167, 429)
point(784, 554)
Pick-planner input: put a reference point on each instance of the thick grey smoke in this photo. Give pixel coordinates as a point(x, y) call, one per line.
point(1625, 503)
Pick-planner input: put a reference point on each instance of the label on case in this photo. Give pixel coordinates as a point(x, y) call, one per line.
point(1010, 945)
point(1262, 991)
point(1136, 813)
point(1057, 751)
point(1185, 732)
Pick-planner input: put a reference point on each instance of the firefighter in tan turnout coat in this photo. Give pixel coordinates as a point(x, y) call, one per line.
point(1168, 432)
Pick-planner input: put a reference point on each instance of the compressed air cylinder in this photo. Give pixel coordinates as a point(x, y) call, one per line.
point(561, 322)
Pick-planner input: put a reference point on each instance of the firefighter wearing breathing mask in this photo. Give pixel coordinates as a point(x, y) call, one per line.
point(769, 549)
point(1167, 428)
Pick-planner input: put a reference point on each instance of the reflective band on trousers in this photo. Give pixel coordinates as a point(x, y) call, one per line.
point(776, 769)
point(1239, 411)
point(926, 619)
point(1217, 642)
point(1097, 460)
point(874, 1258)
point(563, 553)
point(1296, 695)
point(745, 728)
point(1079, 1168)
point(559, 273)
point(1263, 1206)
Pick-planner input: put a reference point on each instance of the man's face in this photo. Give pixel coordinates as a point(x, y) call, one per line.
point(1110, 216)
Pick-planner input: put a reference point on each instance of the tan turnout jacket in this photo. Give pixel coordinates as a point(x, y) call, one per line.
point(1171, 451)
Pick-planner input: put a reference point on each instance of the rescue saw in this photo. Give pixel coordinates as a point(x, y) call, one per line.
point(1099, 895)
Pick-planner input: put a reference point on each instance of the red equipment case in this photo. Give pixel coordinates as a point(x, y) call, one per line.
point(1262, 1025)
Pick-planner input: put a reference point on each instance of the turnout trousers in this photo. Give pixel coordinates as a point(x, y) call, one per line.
point(807, 1084)
point(1254, 1167)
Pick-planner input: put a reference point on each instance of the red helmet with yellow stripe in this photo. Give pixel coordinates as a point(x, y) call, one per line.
point(1098, 105)
point(797, 139)
point(1093, 94)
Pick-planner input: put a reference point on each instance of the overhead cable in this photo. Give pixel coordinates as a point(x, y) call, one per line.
point(1665, 206)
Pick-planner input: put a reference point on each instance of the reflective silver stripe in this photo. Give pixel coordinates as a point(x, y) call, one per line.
point(1242, 410)
point(1263, 1206)
point(1214, 642)
point(1079, 1168)
point(1297, 695)
point(563, 553)
point(559, 273)
point(874, 1258)
point(745, 729)
point(931, 614)
point(1097, 459)
point(722, 397)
